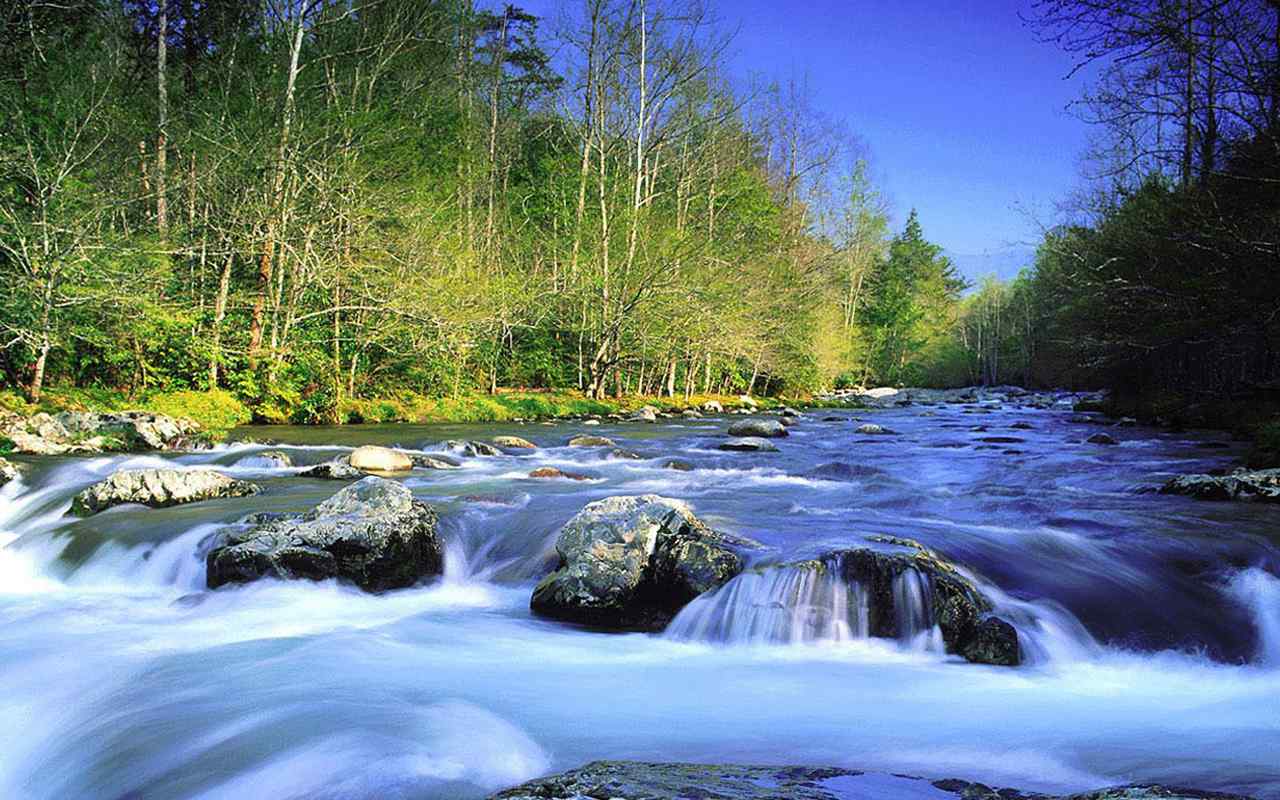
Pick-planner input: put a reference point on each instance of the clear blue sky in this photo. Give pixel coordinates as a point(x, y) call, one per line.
point(962, 109)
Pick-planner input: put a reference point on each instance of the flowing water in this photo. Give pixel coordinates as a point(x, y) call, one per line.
point(1151, 623)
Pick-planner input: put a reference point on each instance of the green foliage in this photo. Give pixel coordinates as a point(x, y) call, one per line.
point(216, 411)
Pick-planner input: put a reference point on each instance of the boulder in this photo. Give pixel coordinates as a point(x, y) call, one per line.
point(158, 488)
point(872, 429)
point(514, 442)
point(583, 440)
point(434, 462)
point(637, 780)
point(372, 458)
point(1261, 485)
point(713, 407)
point(645, 414)
point(332, 470)
point(1101, 438)
point(632, 562)
point(763, 428)
point(788, 411)
point(372, 533)
point(748, 401)
point(8, 471)
point(748, 444)
point(552, 472)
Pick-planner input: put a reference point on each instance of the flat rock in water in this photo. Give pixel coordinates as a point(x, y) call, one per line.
point(638, 780)
point(749, 444)
point(872, 429)
point(372, 533)
point(585, 440)
point(761, 428)
point(552, 472)
point(514, 442)
point(158, 488)
point(1261, 485)
point(632, 562)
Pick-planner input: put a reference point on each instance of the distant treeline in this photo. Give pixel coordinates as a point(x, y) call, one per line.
point(1166, 286)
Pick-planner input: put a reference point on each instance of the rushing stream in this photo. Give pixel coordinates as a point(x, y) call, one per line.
point(1151, 623)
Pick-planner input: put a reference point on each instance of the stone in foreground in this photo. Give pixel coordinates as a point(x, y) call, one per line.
point(1261, 485)
point(636, 780)
point(372, 533)
point(632, 562)
point(158, 488)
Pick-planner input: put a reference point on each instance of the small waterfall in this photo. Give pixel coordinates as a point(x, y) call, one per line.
point(913, 613)
point(782, 605)
point(1259, 591)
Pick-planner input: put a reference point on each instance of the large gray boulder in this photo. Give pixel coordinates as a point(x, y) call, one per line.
point(760, 428)
point(372, 533)
point(637, 780)
point(1261, 485)
point(158, 488)
point(632, 562)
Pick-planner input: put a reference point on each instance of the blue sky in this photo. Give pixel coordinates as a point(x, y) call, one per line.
point(962, 109)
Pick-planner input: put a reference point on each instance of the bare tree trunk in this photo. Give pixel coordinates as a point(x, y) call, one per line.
point(162, 145)
point(219, 313)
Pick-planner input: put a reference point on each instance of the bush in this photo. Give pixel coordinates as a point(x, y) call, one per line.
point(1265, 452)
point(216, 411)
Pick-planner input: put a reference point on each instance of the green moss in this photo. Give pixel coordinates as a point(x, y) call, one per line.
point(216, 411)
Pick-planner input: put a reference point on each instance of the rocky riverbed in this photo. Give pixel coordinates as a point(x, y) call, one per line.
point(954, 585)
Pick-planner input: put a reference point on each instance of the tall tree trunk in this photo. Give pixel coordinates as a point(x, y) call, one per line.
point(162, 98)
point(220, 313)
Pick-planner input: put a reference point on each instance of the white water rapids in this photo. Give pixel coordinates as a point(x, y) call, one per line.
point(1151, 624)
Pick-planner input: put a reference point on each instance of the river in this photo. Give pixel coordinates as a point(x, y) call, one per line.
point(1151, 623)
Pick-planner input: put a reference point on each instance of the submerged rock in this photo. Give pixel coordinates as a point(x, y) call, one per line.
point(637, 780)
point(749, 444)
point(632, 562)
point(552, 472)
point(158, 488)
point(372, 458)
point(1262, 485)
point(514, 442)
point(1101, 438)
point(372, 533)
point(762, 428)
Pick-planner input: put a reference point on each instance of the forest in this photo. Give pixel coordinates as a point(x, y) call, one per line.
point(319, 209)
